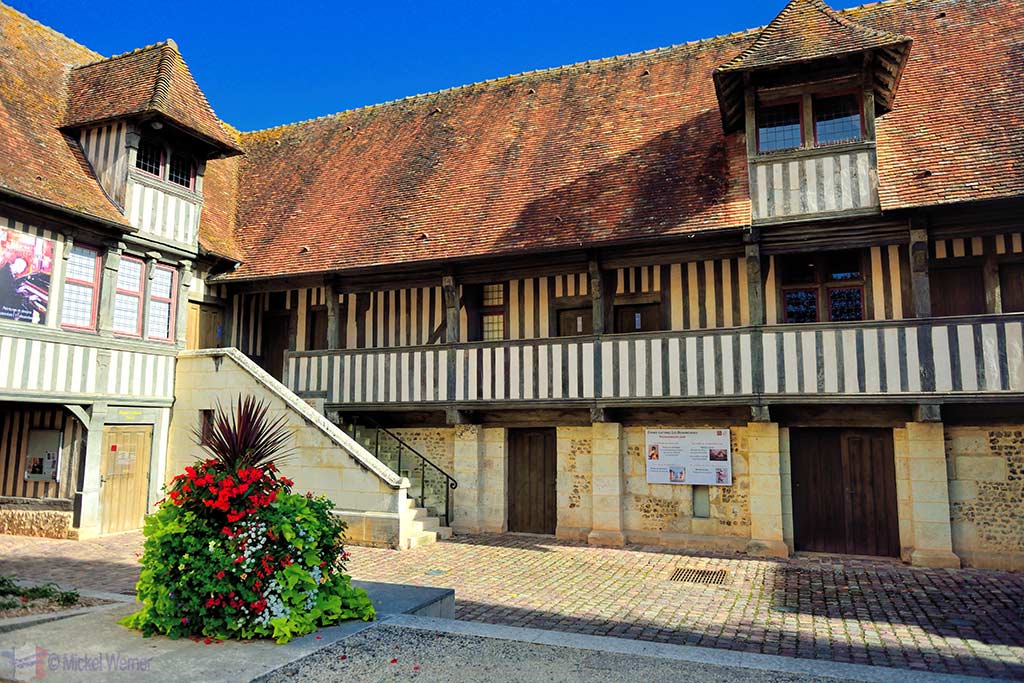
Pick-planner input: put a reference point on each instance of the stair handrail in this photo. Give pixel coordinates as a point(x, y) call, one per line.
point(450, 482)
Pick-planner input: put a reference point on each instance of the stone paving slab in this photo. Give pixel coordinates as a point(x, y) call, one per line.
point(94, 647)
point(876, 612)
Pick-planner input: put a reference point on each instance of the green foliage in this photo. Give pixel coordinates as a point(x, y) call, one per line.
point(12, 595)
point(278, 573)
point(233, 553)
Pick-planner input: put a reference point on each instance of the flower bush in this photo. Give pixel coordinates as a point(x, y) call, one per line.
point(233, 553)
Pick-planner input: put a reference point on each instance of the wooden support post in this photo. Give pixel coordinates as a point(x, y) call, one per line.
point(755, 303)
point(108, 287)
point(363, 334)
point(454, 416)
point(333, 316)
point(928, 412)
point(452, 305)
point(990, 273)
point(755, 281)
point(181, 319)
point(920, 286)
point(601, 299)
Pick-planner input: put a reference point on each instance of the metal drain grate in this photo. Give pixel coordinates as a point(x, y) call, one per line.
point(708, 577)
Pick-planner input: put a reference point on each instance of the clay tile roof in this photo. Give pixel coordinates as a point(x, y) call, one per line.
point(805, 30)
point(628, 148)
point(153, 80)
point(37, 160)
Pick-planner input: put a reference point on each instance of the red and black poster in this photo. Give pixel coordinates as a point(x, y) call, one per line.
point(26, 265)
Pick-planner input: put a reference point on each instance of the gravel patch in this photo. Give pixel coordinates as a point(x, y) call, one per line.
point(389, 653)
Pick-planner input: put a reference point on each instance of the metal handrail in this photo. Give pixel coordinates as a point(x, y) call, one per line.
point(450, 482)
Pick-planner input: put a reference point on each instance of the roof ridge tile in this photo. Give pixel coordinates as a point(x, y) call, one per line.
point(600, 61)
point(50, 29)
point(129, 53)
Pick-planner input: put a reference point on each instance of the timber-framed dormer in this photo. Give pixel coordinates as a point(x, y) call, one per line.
point(807, 93)
point(147, 130)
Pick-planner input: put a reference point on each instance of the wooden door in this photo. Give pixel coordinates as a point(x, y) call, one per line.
point(124, 477)
point(532, 503)
point(638, 318)
point(844, 491)
point(275, 343)
point(958, 290)
point(575, 321)
point(203, 330)
point(1011, 285)
point(316, 329)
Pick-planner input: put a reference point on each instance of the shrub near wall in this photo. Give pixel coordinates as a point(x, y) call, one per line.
point(233, 553)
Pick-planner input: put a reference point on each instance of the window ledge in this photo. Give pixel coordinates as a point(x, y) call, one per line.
point(167, 186)
point(811, 152)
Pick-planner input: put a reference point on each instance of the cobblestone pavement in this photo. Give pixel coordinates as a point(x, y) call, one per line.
point(842, 609)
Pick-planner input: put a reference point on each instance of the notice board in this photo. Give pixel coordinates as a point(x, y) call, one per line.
point(698, 457)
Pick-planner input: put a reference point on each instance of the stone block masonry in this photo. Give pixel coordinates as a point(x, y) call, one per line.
point(986, 490)
point(368, 496)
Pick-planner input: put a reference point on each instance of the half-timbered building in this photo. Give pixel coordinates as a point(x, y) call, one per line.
point(762, 292)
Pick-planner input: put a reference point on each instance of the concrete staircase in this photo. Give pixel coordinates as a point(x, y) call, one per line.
point(422, 527)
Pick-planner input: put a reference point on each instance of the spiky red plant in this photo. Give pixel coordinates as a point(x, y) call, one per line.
point(245, 437)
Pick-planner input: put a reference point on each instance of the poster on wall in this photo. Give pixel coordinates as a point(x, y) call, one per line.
point(43, 455)
point(26, 264)
point(689, 456)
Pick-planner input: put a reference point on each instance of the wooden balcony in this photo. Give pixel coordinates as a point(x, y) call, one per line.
point(814, 182)
point(978, 356)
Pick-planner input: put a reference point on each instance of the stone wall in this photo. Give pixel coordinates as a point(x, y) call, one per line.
point(325, 460)
point(660, 514)
point(575, 481)
point(436, 444)
point(663, 513)
point(986, 490)
point(49, 518)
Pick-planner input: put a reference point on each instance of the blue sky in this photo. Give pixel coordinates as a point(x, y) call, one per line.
point(266, 63)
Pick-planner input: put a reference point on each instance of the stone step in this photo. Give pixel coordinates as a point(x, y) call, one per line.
point(424, 524)
point(420, 538)
point(444, 532)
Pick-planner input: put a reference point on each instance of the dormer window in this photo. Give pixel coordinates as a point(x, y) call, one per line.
point(778, 127)
point(172, 167)
point(181, 171)
point(837, 119)
point(150, 158)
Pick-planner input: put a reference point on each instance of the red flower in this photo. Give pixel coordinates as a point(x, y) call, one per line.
point(220, 574)
point(394, 660)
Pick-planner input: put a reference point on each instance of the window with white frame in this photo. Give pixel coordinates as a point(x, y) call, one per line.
point(128, 298)
point(160, 323)
point(81, 288)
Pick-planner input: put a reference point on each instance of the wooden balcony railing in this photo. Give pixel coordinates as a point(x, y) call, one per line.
point(965, 356)
point(822, 181)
